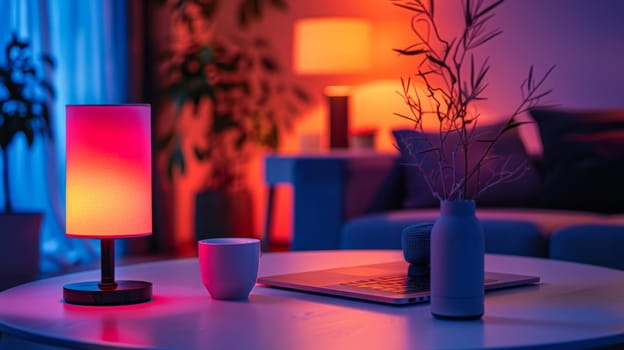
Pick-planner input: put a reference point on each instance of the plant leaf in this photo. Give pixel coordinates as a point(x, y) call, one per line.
point(201, 154)
point(269, 64)
point(409, 7)
point(437, 61)
point(301, 94)
point(411, 52)
point(176, 160)
point(514, 124)
point(488, 9)
point(48, 87)
point(164, 141)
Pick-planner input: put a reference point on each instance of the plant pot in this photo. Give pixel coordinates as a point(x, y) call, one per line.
point(19, 248)
point(457, 262)
point(223, 213)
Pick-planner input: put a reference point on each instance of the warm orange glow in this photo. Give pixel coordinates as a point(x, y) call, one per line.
point(332, 45)
point(109, 187)
point(337, 90)
point(374, 105)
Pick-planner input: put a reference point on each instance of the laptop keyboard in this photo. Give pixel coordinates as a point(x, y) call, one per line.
point(401, 284)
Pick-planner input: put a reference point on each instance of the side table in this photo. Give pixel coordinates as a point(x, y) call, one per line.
point(313, 176)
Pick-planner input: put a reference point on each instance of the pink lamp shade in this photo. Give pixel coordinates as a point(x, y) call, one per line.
point(109, 192)
point(109, 180)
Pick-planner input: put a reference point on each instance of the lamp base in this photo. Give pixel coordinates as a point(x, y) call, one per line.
point(90, 293)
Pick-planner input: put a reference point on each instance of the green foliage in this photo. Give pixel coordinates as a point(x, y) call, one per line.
point(25, 94)
point(448, 82)
point(237, 74)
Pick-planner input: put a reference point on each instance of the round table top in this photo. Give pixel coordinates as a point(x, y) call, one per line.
point(574, 306)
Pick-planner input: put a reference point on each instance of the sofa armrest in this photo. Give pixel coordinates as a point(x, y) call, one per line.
point(330, 188)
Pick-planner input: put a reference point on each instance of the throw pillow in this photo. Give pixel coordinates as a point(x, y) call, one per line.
point(507, 154)
point(583, 159)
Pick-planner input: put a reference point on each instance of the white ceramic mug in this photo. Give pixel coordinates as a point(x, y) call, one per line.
point(229, 266)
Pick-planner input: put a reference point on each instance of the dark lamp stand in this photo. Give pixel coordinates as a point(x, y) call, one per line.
point(107, 291)
point(338, 121)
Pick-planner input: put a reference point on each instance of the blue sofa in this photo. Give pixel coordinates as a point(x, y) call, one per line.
point(355, 200)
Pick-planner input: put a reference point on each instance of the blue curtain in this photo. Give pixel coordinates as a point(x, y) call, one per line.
point(88, 40)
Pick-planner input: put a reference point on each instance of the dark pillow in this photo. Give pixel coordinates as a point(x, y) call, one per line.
point(583, 159)
point(508, 153)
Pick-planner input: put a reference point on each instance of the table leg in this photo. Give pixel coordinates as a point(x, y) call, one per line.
point(268, 218)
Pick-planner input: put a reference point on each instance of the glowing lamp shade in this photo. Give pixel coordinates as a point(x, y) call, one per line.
point(109, 191)
point(109, 180)
point(332, 45)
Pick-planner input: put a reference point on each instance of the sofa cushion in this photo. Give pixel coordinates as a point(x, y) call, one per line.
point(583, 159)
point(506, 154)
point(507, 231)
point(596, 244)
point(502, 236)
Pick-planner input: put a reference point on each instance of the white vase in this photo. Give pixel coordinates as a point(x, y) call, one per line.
point(457, 266)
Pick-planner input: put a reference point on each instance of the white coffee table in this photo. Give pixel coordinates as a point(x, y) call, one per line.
point(576, 306)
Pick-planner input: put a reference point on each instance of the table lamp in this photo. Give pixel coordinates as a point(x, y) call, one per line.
point(109, 192)
point(333, 46)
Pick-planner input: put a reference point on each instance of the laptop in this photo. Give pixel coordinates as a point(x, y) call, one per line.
point(384, 283)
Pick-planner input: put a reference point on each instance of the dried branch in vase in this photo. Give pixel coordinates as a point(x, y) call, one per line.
point(448, 83)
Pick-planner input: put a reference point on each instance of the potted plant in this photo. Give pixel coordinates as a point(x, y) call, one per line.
point(25, 94)
point(457, 164)
point(234, 84)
